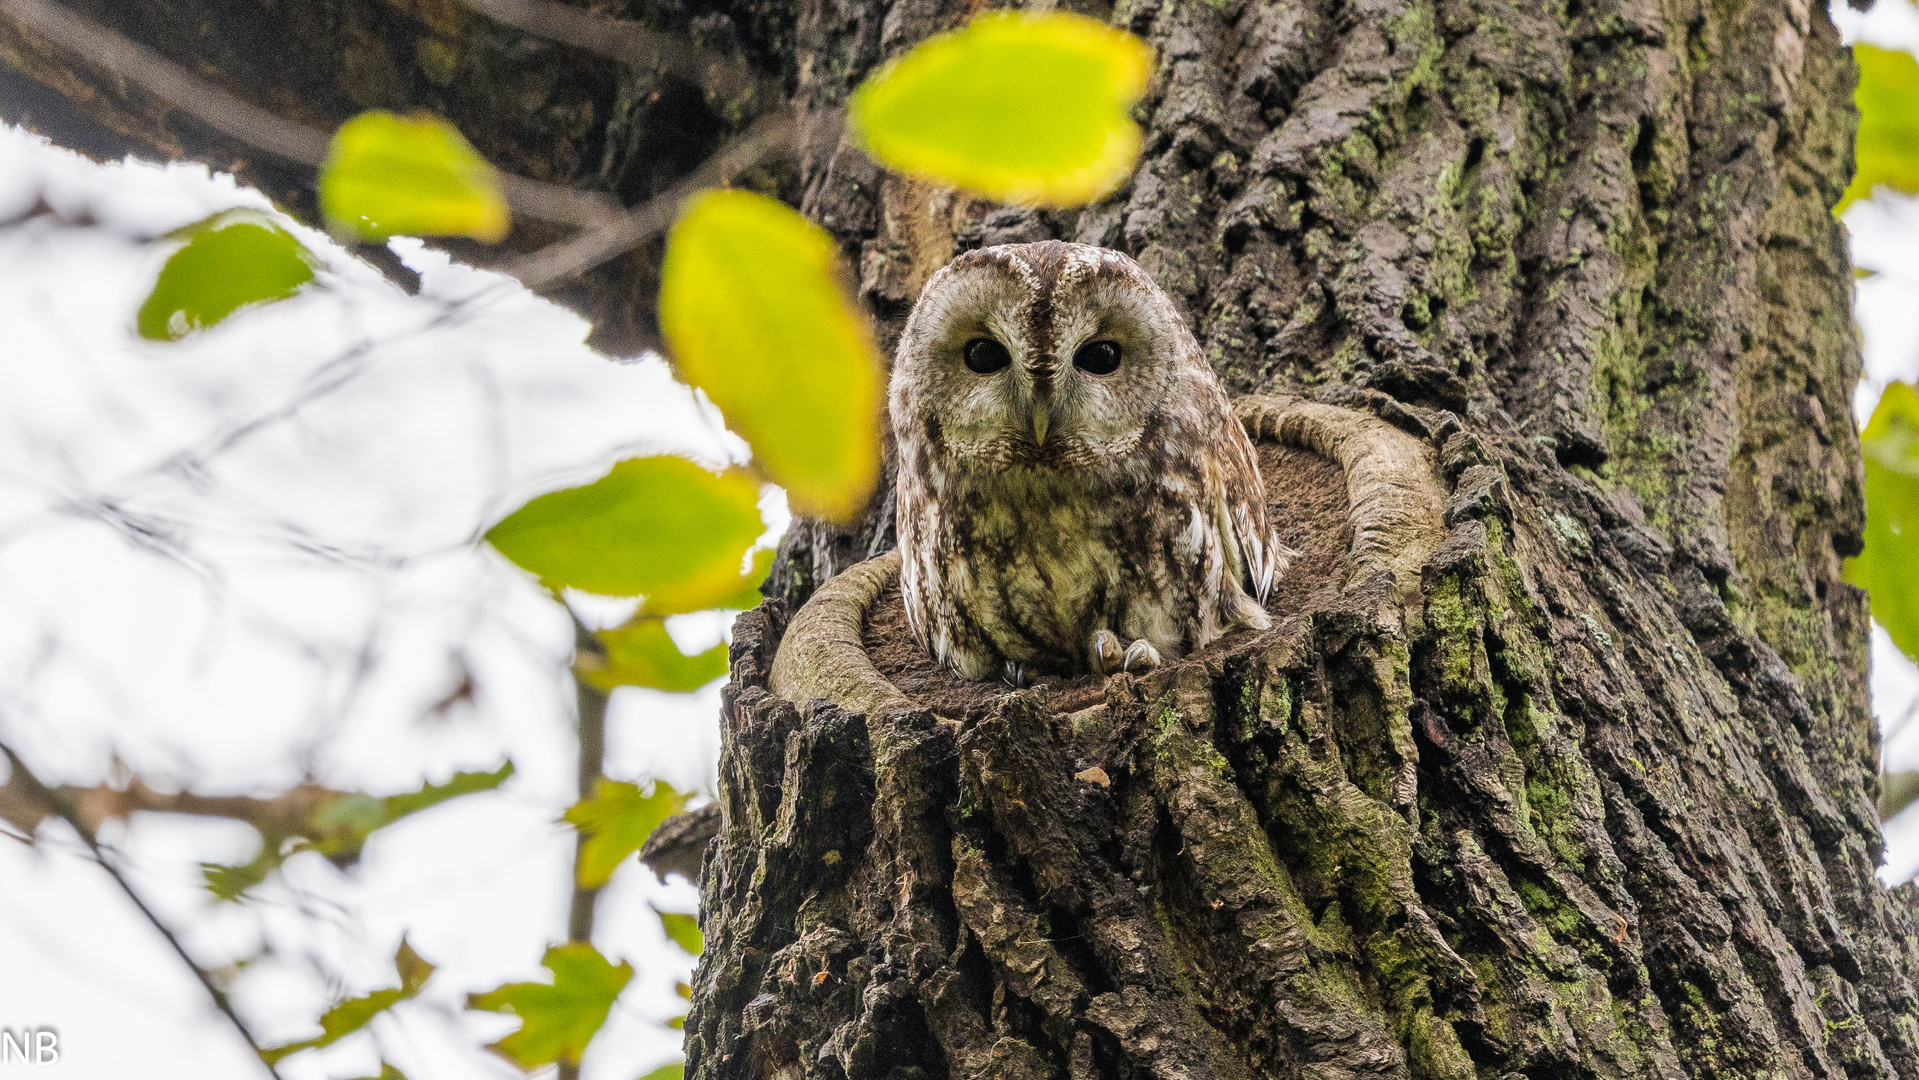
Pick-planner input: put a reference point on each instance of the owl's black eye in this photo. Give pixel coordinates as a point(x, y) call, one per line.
point(985, 356)
point(1097, 357)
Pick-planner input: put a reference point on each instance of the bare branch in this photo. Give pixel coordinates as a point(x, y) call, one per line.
point(623, 40)
point(168, 81)
point(22, 784)
point(25, 803)
point(253, 125)
point(769, 136)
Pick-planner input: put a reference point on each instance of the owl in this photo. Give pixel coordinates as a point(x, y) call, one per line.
point(1075, 494)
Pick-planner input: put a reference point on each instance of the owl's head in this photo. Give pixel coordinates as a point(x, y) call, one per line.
point(1049, 355)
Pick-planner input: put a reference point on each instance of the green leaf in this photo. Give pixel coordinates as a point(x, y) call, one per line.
point(641, 653)
point(1896, 792)
point(557, 1019)
point(388, 175)
point(664, 602)
point(230, 883)
point(752, 308)
point(339, 828)
point(684, 930)
point(1887, 151)
point(355, 1013)
point(231, 260)
point(615, 823)
point(337, 824)
point(388, 1071)
point(675, 1070)
point(1884, 569)
point(466, 783)
point(652, 525)
point(1021, 107)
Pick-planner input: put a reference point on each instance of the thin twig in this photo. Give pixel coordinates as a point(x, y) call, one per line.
point(257, 127)
point(624, 40)
point(18, 771)
point(769, 136)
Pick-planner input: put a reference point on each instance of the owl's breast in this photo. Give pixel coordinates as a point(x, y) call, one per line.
point(1026, 567)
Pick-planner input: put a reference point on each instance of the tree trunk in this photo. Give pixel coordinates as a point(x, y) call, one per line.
point(1565, 770)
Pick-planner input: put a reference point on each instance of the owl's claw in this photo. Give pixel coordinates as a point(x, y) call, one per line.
point(1107, 657)
point(1016, 674)
point(1141, 656)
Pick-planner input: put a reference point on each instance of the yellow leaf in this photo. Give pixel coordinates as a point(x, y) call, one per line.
point(1884, 569)
point(388, 175)
point(1021, 107)
point(1887, 151)
point(641, 653)
point(753, 311)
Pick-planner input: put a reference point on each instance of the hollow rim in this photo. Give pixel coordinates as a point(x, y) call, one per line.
point(1398, 514)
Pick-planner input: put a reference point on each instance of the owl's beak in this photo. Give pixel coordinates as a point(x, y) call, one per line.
point(1042, 417)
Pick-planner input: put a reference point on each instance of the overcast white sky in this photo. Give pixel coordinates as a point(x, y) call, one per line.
point(249, 557)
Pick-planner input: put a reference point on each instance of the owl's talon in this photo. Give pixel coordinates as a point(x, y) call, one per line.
point(1107, 656)
point(1141, 656)
point(1016, 674)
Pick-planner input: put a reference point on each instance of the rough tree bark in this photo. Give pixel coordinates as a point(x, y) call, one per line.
point(1588, 791)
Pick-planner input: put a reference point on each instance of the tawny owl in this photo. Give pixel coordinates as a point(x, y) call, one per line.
point(1075, 493)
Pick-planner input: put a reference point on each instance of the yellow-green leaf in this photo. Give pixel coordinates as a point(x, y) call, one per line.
point(388, 175)
point(615, 823)
point(230, 261)
point(388, 1071)
point(651, 525)
point(1884, 568)
point(663, 602)
point(684, 930)
point(557, 1019)
point(672, 1071)
point(641, 653)
point(1887, 151)
point(350, 1016)
point(752, 309)
point(1021, 107)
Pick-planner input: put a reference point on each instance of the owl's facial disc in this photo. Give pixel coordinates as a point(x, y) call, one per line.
point(1044, 357)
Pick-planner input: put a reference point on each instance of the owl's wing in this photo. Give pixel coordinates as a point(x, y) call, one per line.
point(1254, 545)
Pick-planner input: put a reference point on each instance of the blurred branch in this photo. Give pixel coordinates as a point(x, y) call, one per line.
point(168, 81)
point(623, 40)
point(592, 766)
point(769, 136)
point(25, 803)
point(679, 845)
point(250, 124)
point(23, 786)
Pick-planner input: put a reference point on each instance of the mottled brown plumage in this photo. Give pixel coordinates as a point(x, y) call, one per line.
point(1043, 498)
